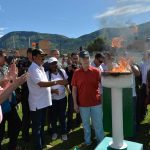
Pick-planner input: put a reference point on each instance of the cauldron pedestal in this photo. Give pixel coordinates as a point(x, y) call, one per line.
point(131, 145)
point(116, 82)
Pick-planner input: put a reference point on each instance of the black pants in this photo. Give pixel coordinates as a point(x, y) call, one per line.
point(25, 118)
point(14, 126)
point(70, 112)
point(143, 101)
point(38, 121)
point(58, 110)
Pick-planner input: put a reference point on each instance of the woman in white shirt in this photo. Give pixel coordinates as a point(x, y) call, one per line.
point(59, 100)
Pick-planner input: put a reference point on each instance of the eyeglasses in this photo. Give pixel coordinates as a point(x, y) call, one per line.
point(53, 63)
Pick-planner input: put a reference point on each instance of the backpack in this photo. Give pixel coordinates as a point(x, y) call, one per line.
point(59, 71)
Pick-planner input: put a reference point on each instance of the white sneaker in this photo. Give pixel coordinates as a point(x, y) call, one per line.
point(64, 137)
point(54, 136)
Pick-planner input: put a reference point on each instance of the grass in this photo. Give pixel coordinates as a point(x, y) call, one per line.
point(75, 138)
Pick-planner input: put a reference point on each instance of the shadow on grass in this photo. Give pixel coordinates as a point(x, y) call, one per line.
point(75, 139)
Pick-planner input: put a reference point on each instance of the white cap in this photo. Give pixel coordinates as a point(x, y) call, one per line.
point(52, 59)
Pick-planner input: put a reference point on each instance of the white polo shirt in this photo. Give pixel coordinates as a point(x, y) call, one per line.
point(61, 88)
point(39, 97)
point(101, 70)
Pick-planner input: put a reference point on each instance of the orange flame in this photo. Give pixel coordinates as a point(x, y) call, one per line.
point(117, 42)
point(33, 44)
point(134, 29)
point(123, 66)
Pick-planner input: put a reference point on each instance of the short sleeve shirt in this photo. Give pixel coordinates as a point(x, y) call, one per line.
point(39, 97)
point(87, 83)
point(61, 88)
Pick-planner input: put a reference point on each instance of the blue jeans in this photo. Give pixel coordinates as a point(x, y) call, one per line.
point(38, 121)
point(95, 114)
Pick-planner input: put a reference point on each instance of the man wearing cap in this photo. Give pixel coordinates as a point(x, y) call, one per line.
point(87, 98)
point(39, 96)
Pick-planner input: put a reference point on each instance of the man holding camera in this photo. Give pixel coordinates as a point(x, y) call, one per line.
point(70, 71)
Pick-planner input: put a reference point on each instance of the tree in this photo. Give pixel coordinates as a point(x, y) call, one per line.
point(98, 44)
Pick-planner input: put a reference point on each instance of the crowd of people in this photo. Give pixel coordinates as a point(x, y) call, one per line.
point(50, 91)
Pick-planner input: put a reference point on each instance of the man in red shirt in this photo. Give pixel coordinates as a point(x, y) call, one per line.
point(86, 97)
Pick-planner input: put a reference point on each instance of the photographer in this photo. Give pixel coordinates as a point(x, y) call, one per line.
point(72, 66)
point(23, 65)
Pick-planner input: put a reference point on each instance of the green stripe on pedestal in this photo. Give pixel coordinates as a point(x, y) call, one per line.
point(128, 122)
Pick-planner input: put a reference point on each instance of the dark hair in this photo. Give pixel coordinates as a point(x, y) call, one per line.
point(2, 53)
point(99, 55)
point(29, 50)
point(74, 53)
point(54, 50)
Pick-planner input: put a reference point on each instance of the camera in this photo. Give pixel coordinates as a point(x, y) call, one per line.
point(23, 62)
point(74, 66)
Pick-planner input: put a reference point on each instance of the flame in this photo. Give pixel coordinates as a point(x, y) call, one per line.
point(123, 66)
point(134, 29)
point(33, 44)
point(117, 42)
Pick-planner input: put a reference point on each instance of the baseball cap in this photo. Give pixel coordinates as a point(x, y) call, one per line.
point(52, 59)
point(84, 54)
point(35, 52)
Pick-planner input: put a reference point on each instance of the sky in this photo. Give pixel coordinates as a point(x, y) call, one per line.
point(71, 18)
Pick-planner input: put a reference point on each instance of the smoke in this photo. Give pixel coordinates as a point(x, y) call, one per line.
point(124, 11)
point(123, 15)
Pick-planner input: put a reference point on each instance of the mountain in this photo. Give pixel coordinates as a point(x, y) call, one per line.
point(21, 38)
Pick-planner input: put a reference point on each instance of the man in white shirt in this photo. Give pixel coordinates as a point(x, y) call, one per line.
point(39, 96)
point(98, 60)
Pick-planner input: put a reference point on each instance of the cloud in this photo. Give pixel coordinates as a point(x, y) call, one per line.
point(126, 8)
point(2, 29)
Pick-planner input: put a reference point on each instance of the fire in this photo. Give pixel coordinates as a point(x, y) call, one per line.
point(123, 66)
point(33, 44)
point(134, 29)
point(117, 42)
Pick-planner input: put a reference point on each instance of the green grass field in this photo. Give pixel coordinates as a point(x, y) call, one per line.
point(75, 138)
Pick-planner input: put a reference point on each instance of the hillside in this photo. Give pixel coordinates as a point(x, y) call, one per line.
point(66, 43)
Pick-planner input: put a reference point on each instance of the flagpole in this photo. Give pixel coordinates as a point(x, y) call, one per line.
point(14, 42)
point(29, 42)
